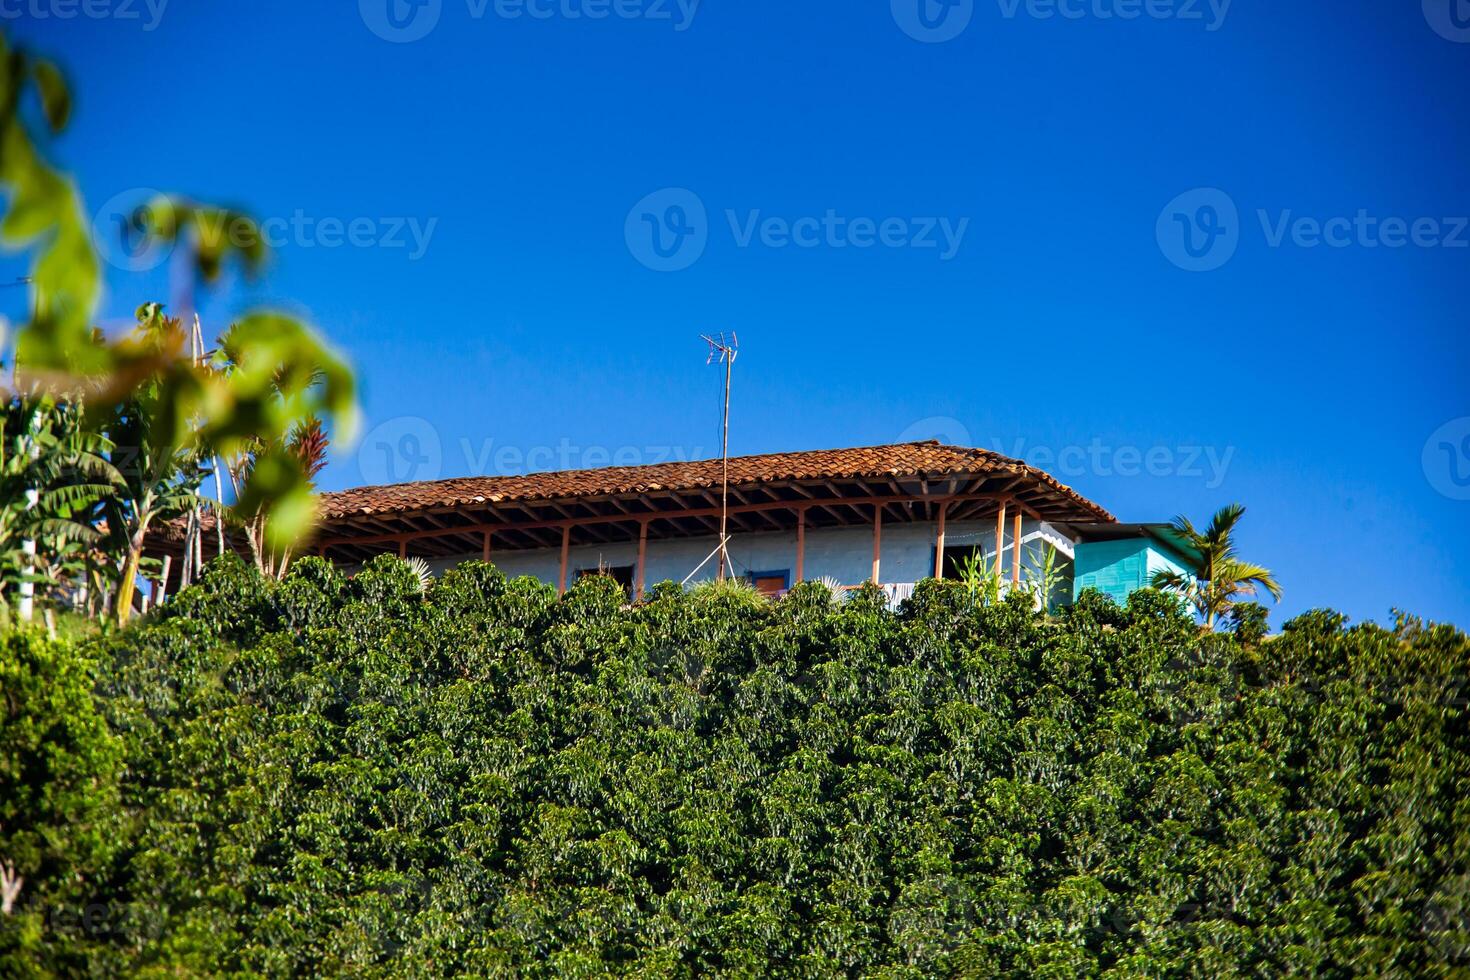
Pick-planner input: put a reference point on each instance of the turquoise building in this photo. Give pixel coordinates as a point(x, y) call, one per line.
point(1120, 559)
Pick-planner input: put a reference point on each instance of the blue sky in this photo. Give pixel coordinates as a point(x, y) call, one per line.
point(968, 224)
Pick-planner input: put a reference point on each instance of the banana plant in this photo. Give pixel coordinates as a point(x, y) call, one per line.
point(53, 474)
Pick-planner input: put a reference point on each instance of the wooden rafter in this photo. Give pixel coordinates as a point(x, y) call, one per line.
point(695, 514)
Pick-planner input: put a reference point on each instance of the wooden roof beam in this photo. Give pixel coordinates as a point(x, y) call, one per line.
point(842, 499)
point(708, 517)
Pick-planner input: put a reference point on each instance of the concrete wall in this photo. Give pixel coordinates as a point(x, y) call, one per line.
point(844, 554)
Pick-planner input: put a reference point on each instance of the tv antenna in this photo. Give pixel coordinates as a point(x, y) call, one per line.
point(724, 352)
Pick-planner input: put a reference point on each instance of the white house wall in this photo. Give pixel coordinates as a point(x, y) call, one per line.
point(844, 554)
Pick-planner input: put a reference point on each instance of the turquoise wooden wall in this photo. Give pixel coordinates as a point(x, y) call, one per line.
point(1120, 568)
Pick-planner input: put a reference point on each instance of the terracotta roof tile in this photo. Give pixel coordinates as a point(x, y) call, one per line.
point(901, 460)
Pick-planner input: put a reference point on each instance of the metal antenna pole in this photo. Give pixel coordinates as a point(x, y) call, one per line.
point(725, 474)
point(727, 353)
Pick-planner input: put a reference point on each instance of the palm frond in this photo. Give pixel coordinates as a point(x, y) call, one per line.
point(1168, 580)
point(76, 497)
point(421, 570)
point(1249, 577)
point(60, 530)
point(1222, 525)
point(1184, 527)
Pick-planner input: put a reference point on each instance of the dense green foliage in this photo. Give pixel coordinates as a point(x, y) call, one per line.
point(329, 775)
point(58, 795)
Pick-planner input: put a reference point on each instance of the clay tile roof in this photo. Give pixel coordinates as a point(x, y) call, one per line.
point(912, 459)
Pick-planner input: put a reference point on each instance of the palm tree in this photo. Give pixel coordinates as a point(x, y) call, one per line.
point(1223, 577)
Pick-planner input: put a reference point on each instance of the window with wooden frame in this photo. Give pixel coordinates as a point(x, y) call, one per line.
point(774, 584)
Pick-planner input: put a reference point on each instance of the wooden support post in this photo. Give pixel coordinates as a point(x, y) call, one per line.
point(877, 543)
point(1016, 551)
point(642, 560)
point(402, 547)
point(566, 545)
point(801, 544)
point(1000, 539)
point(939, 541)
point(486, 550)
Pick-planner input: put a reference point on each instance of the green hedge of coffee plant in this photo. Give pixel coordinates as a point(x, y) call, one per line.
point(363, 776)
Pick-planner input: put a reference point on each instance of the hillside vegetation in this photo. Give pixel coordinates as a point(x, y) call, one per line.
point(365, 776)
